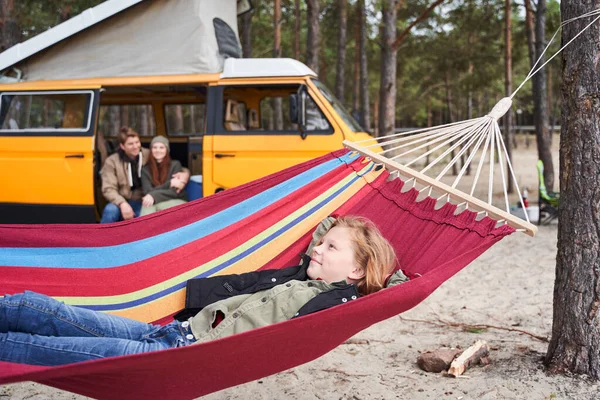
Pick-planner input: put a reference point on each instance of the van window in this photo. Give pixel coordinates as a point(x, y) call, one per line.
point(266, 109)
point(45, 111)
point(185, 119)
point(268, 114)
point(140, 117)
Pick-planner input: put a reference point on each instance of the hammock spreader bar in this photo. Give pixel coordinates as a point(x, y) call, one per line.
point(451, 192)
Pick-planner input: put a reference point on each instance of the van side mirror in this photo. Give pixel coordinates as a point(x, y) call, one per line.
point(294, 108)
point(298, 110)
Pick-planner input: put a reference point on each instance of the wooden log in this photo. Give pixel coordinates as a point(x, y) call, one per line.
point(470, 356)
point(437, 360)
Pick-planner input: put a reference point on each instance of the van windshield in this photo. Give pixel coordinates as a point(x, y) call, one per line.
point(338, 107)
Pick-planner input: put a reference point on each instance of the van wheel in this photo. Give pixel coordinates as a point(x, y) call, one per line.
point(219, 190)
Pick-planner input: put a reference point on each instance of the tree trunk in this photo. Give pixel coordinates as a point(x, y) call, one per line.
point(365, 113)
point(297, 29)
point(508, 134)
point(246, 28)
point(143, 119)
point(323, 69)
point(114, 121)
point(450, 117)
point(10, 34)
point(529, 29)
point(341, 54)
point(376, 115)
point(575, 342)
point(178, 120)
point(277, 29)
point(64, 13)
point(313, 36)
point(549, 97)
point(277, 104)
point(356, 85)
point(387, 88)
point(540, 111)
point(124, 115)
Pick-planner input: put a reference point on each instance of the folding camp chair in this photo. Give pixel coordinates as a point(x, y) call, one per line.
point(548, 200)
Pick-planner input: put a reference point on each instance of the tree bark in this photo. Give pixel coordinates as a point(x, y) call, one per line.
point(143, 119)
point(277, 29)
point(246, 27)
point(124, 115)
point(508, 134)
point(356, 86)
point(575, 342)
point(277, 104)
point(387, 88)
point(178, 120)
point(341, 53)
point(540, 111)
point(529, 29)
point(313, 35)
point(114, 121)
point(450, 117)
point(365, 113)
point(297, 29)
point(10, 34)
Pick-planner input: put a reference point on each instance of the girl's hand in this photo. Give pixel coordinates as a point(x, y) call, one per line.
point(147, 201)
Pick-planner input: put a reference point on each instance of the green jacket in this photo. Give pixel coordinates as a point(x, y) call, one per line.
point(162, 192)
point(248, 311)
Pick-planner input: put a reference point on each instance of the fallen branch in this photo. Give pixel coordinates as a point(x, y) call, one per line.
point(366, 341)
point(339, 371)
point(441, 322)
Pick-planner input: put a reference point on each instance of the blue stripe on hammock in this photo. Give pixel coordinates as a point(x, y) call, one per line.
point(123, 254)
point(225, 264)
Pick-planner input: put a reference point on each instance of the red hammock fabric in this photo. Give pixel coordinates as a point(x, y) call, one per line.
point(433, 243)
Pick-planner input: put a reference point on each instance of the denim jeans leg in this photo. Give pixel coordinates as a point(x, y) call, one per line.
point(111, 213)
point(42, 315)
point(26, 348)
point(136, 205)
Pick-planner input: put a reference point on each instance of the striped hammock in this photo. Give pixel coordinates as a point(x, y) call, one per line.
point(139, 269)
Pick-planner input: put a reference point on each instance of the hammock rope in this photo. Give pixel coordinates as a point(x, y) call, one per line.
point(464, 139)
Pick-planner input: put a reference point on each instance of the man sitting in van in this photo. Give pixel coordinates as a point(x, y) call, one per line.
point(122, 178)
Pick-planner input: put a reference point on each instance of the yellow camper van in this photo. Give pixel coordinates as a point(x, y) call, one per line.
point(251, 118)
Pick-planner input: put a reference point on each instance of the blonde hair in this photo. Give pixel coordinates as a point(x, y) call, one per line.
point(371, 250)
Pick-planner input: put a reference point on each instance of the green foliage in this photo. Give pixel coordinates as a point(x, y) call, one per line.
point(458, 48)
point(36, 16)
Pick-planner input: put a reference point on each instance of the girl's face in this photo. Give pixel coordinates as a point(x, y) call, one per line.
point(159, 151)
point(333, 259)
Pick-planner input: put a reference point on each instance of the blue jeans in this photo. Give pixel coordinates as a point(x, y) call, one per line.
point(36, 329)
point(112, 213)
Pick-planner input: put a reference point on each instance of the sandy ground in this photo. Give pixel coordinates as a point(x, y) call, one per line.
point(509, 286)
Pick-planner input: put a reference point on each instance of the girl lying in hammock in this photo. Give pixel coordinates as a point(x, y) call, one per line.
point(350, 260)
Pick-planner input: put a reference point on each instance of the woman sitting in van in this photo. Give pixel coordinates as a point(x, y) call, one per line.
point(159, 193)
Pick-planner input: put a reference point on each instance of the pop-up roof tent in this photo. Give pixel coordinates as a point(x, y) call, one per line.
point(132, 38)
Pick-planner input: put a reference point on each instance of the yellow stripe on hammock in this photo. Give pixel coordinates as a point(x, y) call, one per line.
point(173, 302)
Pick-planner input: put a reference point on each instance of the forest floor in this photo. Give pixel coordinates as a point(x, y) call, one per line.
point(509, 286)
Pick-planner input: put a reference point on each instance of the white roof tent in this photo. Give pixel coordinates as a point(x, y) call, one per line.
point(132, 38)
point(264, 67)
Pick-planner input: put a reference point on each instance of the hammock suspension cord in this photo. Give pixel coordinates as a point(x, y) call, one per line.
point(459, 140)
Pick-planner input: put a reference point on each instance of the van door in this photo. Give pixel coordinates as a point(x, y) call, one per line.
point(47, 156)
point(254, 135)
